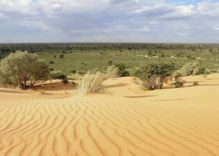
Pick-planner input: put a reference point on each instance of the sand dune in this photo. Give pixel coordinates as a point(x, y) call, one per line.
point(126, 121)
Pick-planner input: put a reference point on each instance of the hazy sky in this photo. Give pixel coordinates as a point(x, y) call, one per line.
point(109, 21)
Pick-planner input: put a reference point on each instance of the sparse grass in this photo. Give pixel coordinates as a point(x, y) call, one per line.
point(92, 82)
point(112, 71)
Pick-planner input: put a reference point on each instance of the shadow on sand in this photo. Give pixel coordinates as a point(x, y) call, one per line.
point(116, 85)
point(144, 96)
point(171, 99)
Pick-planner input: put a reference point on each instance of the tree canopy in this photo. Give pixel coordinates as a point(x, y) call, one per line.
point(23, 69)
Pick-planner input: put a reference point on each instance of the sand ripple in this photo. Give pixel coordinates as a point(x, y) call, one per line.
point(108, 125)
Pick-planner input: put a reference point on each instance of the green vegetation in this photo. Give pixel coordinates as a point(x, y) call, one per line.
point(59, 75)
point(155, 74)
point(153, 63)
point(192, 68)
point(178, 82)
point(80, 58)
point(22, 69)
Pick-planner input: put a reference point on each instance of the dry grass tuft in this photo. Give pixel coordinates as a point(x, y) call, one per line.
point(92, 82)
point(112, 71)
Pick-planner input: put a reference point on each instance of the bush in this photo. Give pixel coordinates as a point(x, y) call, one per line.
point(73, 71)
point(178, 84)
point(156, 74)
point(51, 62)
point(200, 71)
point(150, 84)
point(92, 82)
point(22, 69)
point(51, 69)
point(65, 80)
point(110, 63)
point(177, 75)
point(192, 68)
point(57, 74)
point(137, 71)
point(122, 72)
point(61, 56)
point(188, 68)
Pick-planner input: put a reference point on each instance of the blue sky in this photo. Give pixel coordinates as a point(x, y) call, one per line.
point(109, 21)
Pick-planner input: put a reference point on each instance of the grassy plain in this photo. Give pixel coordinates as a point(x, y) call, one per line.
point(72, 57)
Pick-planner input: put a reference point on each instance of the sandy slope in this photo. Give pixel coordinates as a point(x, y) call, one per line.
point(127, 121)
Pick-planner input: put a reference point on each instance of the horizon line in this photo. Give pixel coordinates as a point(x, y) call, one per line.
point(60, 42)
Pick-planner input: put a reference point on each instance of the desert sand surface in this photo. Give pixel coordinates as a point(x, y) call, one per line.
point(124, 121)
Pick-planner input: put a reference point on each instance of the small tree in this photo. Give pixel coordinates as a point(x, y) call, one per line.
point(155, 74)
point(23, 69)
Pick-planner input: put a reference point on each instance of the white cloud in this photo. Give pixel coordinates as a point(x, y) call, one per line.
point(145, 29)
point(216, 27)
point(109, 19)
point(185, 10)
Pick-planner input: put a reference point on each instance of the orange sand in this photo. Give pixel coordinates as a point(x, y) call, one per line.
point(125, 121)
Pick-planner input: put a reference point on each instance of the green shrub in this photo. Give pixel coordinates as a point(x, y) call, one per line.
point(192, 68)
point(23, 69)
point(188, 68)
point(51, 62)
point(65, 80)
point(110, 63)
point(201, 71)
point(178, 84)
point(156, 74)
point(122, 70)
point(73, 71)
point(211, 71)
point(51, 69)
point(57, 74)
point(137, 71)
point(61, 56)
point(177, 75)
point(149, 84)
